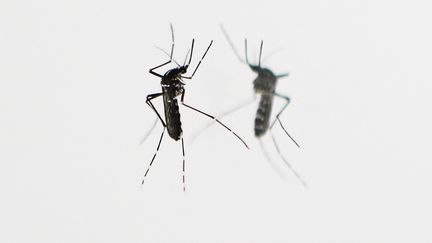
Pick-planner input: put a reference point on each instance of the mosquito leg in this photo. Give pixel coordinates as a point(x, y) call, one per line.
point(282, 75)
point(212, 117)
point(157, 74)
point(199, 63)
point(171, 55)
point(232, 45)
point(154, 155)
point(286, 132)
point(238, 107)
point(184, 173)
point(271, 162)
point(166, 53)
point(287, 99)
point(149, 131)
point(148, 101)
point(286, 161)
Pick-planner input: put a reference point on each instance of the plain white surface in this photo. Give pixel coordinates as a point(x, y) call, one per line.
point(73, 81)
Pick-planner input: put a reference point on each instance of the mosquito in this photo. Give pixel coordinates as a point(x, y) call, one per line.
point(172, 87)
point(265, 86)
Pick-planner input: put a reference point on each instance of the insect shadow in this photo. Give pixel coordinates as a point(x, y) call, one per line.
point(265, 86)
point(172, 87)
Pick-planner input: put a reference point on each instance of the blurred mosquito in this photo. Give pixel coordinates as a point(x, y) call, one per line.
point(264, 85)
point(172, 87)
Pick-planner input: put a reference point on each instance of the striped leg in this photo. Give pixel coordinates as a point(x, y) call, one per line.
point(238, 107)
point(184, 184)
point(148, 101)
point(154, 155)
point(214, 118)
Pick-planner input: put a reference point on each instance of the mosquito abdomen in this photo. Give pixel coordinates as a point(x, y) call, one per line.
point(262, 118)
point(172, 114)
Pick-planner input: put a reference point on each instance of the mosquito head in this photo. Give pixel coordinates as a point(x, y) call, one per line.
point(183, 69)
point(265, 76)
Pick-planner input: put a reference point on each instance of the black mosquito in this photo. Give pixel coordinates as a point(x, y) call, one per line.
point(172, 87)
point(264, 85)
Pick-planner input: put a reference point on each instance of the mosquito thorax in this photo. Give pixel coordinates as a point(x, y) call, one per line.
point(265, 81)
point(173, 76)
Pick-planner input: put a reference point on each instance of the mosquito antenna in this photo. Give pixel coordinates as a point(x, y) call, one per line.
point(166, 53)
point(199, 63)
point(232, 45)
point(246, 56)
point(190, 57)
point(172, 38)
point(187, 54)
point(259, 60)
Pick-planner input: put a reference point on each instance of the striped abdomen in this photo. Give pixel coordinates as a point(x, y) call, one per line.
point(172, 114)
point(262, 118)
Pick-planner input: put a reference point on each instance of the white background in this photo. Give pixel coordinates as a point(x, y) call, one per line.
point(73, 81)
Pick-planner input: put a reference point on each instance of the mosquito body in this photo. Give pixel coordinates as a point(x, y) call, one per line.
point(264, 85)
point(172, 87)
